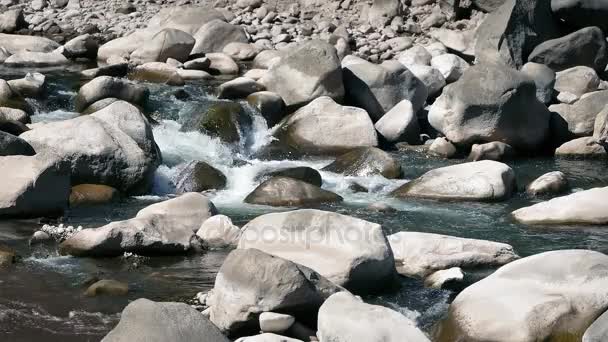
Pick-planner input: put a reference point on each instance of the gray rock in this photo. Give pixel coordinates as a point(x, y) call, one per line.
point(600, 128)
point(303, 173)
point(239, 88)
point(275, 322)
point(488, 5)
point(289, 192)
point(544, 78)
point(548, 184)
point(36, 59)
point(432, 78)
point(32, 85)
point(222, 64)
point(157, 72)
point(580, 116)
point(267, 58)
point(364, 162)
point(12, 114)
point(11, 145)
point(445, 278)
point(578, 80)
point(416, 55)
point(240, 51)
point(598, 331)
point(582, 148)
point(168, 43)
point(113, 70)
point(491, 151)
point(215, 35)
point(105, 87)
point(19, 43)
point(400, 124)
point(107, 287)
point(12, 20)
point(202, 63)
point(462, 42)
point(267, 337)
point(84, 46)
point(382, 11)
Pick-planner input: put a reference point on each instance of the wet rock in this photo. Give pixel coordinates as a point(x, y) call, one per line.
point(107, 287)
point(92, 194)
point(11, 145)
point(442, 147)
point(432, 78)
point(275, 322)
point(215, 35)
point(224, 120)
point(198, 176)
point(238, 88)
point(344, 317)
point(474, 181)
point(36, 59)
point(222, 64)
point(400, 124)
point(381, 208)
point(364, 162)
point(13, 127)
point(168, 43)
point(359, 264)
point(549, 184)
point(40, 237)
point(582, 148)
point(19, 43)
point(544, 78)
point(285, 192)
point(269, 104)
point(219, 232)
point(12, 114)
point(491, 151)
point(240, 51)
point(144, 320)
point(303, 173)
point(105, 86)
point(578, 80)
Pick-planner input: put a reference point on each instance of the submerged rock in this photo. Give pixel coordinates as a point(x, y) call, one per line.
point(491, 151)
point(107, 287)
point(224, 120)
point(269, 104)
point(364, 162)
point(598, 331)
point(286, 192)
point(303, 173)
point(548, 184)
point(7, 256)
point(168, 43)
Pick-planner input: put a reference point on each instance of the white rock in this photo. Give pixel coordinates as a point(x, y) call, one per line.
point(450, 66)
point(275, 322)
point(218, 231)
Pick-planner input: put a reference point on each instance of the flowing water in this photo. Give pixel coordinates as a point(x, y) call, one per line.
point(41, 297)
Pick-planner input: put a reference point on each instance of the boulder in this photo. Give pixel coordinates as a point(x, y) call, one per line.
point(450, 66)
point(114, 146)
point(445, 279)
point(157, 72)
point(544, 78)
point(580, 116)
point(491, 103)
point(310, 237)
point(598, 331)
point(553, 296)
point(202, 63)
point(168, 43)
point(251, 282)
point(432, 78)
point(443, 148)
point(488, 5)
point(583, 207)
point(144, 320)
point(422, 254)
point(364, 162)
point(33, 186)
point(286, 192)
point(509, 34)
point(461, 42)
point(238, 88)
point(474, 181)
point(275, 322)
point(219, 232)
point(11, 145)
point(198, 176)
point(303, 173)
point(491, 151)
point(185, 18)
point(114, 70)
point(379, 88)
point(36, 59)
point(92, 194)
point(105, 86)
point(585, 147)
point(83, 46)
point(585, 47)
point(344, 317)
point(548, 184)
point(215, 35)
point(123, 47)
point(32, 85)
point(163, 228)
point(224, 120)
point(13, 127)
point(269, 104)
point(343, 128)
point(12, 114)
point(581, 13)
point(600, 127)
point(7, 257)
point(222, 64)
point(15, 43)
point(308, 71)
point(240, 51)
point(107, 287)
point(400, 124)
point(578, 80)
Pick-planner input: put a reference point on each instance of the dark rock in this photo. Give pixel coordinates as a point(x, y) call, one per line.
point(303, 173)
point(285, 192)
point(198, 176)
point(366, 161)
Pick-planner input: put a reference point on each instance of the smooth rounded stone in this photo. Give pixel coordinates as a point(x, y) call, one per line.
point(400, 43)
point(202, 63)
point(289, 192)
point(495, 150)
point(198, 176)
point(144, 320)
point(580, 116)
point(362, 263)
point(507, 35)
point(267, 337)
point(600, 127)
point(92, 194)
point(275, 322)
point(11, 145)
point(12, 114)
point(7, 256)
point(193, 75)
point(583, 148)
point(450, 66)
point(442, 147)
point(168, 43)
point(306, 72)
point(239, 88)
point(598, 331)
point(105, 86)
point(255, 74)
point(114, 70)
point(107, 287)
point(422, 254)
point(474, 181)
point(215, 35)
point(267, 58)
point(33, 186)
point(302, 173)
point(219, 232)
point(123, 47)
point(32, 85)
point(163, 228)
point(512, 113)
point(553, 296)
point(432, 78)
point(344, 318)
point(157, 72)
point(36, 59)
point(16, 43)
point(581, 13)
point(251, 282)
point(550, 183)
point(365, 162)
point(222, 64)
point(585, 47)
point(416, 55)
point(488, 5)
point(83, 46)
point(462, 42)
point(444, 278)
point(400, 124)
point(269, 104)
point(544, 78)
point(578, 80)
point(584, 207)
point(379, 88)
point(240, 51)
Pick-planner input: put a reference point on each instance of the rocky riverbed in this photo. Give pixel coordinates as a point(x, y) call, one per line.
point(269, 170)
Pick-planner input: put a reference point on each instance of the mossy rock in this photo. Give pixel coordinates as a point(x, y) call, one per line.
point(197, 176)
point(289, 192)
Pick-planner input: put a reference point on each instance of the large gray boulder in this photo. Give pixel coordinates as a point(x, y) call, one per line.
point(167, 227)
point(15, 43)
point(580, 116)
point(475, 181)
point(583, 207)
point(83, 46)
point(306, 72)
point(364, 162)
point(584, 47)
point(36, 59)
point(379, 88)
point(285, 192)
point(110, 87)
point(31, 85)
point(422, 254)
point(114, 146)
point(553, 296)
point(491, 151)
point(146, 321)
point(400, 124)
point(215, 35)
point(344, 318)
point(251, 282)
point(550, 183)
point(582, 148)
point(361, 263)
point(581, 13)
point(598, 331)
point(491, 103)
point(325, 127)
point(168, 43)
point(11, 145)
point(33, 186)
point(509, 34)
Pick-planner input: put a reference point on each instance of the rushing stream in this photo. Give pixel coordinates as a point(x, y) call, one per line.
point(41, 297)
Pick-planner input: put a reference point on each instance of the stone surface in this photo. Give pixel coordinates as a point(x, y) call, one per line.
point(491, 151)
point(303, 173)
point(550, 183)
point(286, 192)
point(107, 287)
point(582, 148)
point(579, 118)
point(219, 232)
point(269, 104)
point(198, 176)
point(598, 331)
point(578, 80)
point(275, 322)
point(400, 124)
point(92, 194)
point(443, 148)
point(19, 43)
point(544, 78)
point(450, 66)
point(11, 145)
point(365, 162)
point(238, 88)
point(36, 59)
point(215, 35)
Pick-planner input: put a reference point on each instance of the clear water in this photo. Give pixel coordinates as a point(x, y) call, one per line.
point(41, 297)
